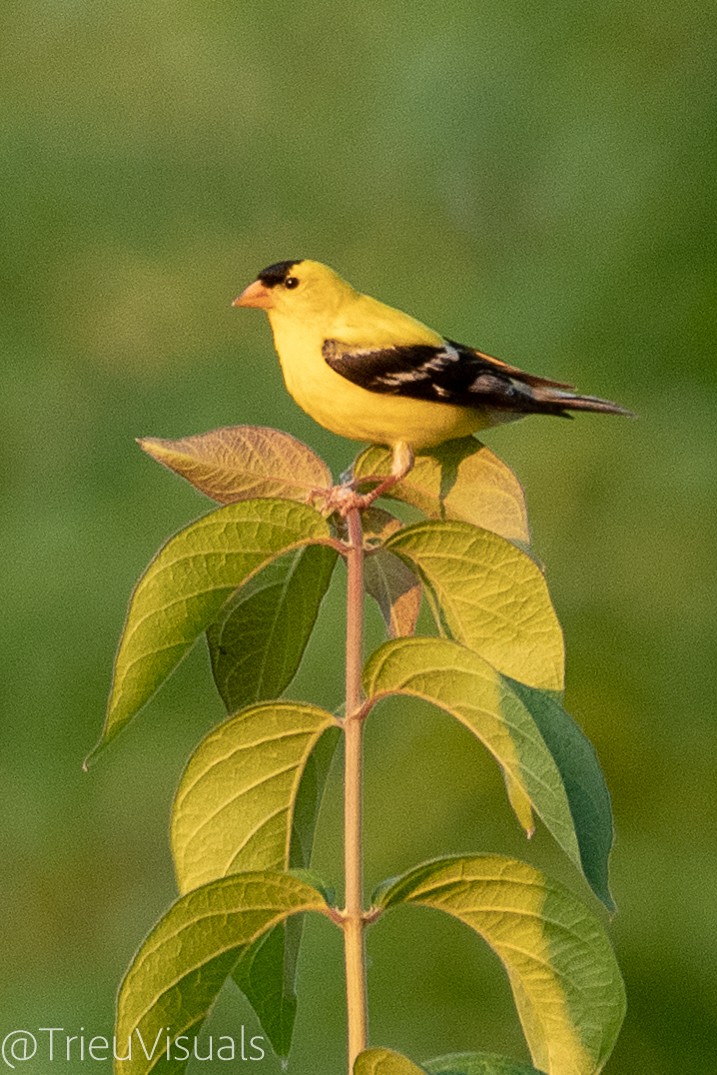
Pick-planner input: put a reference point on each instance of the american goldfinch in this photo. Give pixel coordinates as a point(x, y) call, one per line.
point(372, 373)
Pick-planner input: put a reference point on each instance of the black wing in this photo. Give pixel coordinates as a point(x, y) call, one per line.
point(450, 373)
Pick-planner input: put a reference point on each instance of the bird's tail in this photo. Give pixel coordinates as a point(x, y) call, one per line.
point(557, 401)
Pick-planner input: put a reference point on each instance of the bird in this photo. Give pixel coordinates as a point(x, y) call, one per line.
point(372, 373)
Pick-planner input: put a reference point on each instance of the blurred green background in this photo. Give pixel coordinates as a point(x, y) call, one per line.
point(537, 180)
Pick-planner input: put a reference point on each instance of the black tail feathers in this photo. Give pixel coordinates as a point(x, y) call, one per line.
point(555, 401)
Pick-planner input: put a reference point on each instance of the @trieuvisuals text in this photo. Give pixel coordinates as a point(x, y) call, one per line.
point(57, 1044)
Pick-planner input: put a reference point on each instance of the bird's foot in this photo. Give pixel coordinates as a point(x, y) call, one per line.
point(340, 499)
point(343, 498)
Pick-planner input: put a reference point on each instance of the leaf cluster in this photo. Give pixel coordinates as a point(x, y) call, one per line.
point(250, 576)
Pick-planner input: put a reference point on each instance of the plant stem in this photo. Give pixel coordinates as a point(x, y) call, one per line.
point(353, 921)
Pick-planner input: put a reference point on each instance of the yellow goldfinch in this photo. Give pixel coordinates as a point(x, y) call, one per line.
point(372, 373)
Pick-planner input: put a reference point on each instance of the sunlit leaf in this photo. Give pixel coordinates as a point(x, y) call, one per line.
point(461, 479)
point(256, 646)
point(249, 800)
point(459, 681)
point(385, 1062)
point(257, 641)
point(477, 1064)
point(561, 967)
point(243, 462)
point(186, 584)
point(266, 972)
point(490, 596)
point(177, 974)
point(234, 805)
point(520, 802)
point(584, 784)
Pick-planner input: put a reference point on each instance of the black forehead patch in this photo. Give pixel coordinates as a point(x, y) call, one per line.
point(276, 274)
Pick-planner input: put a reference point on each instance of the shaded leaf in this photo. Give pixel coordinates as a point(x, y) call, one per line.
point(561, 967)
point(243, 462)
point(477, 1064)
point(257, 642)
point(460, 479)
point(185, 586)
point(177, 974)
point(391, 583)
point(396, 591)
point(266, 975)
point(458, 680)
point(308, 799)
point(490, 596)
point(584, 784)
point(249, 800)
point(384, 1062)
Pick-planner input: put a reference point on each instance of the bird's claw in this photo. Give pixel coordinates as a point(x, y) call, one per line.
point(341, 499)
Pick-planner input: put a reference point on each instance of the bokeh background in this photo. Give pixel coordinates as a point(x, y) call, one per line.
point(535, 179)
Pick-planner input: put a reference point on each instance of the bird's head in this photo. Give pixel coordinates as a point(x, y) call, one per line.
point(300, 289)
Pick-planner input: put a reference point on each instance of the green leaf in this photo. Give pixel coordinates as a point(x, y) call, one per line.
point(388, 1062)
point(459, 681)
point(385, 1062)
point(266, 975)
point(308, 799)
point(268, 980)
point(391, 583)
point(560, 964)
point(249, 800)
point(257, 642)
point(234, 805)
point(178, 972)
point(477, 1064)
point(185, 586)
point(243, 462)
point(396, 591)
point(461, 479)
point(584, 784)
point(490, 596)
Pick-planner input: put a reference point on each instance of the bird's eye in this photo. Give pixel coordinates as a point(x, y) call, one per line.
point(291, 282)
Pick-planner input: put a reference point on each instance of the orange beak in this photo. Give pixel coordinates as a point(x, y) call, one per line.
point(257, 294)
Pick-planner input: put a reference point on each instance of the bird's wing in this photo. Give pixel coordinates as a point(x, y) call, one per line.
point(447, 373)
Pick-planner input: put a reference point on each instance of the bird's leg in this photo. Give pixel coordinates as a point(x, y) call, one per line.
point(401, 465)
point(343, 498)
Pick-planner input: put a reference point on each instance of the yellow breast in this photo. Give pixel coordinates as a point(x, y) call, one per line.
point(351, 411)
